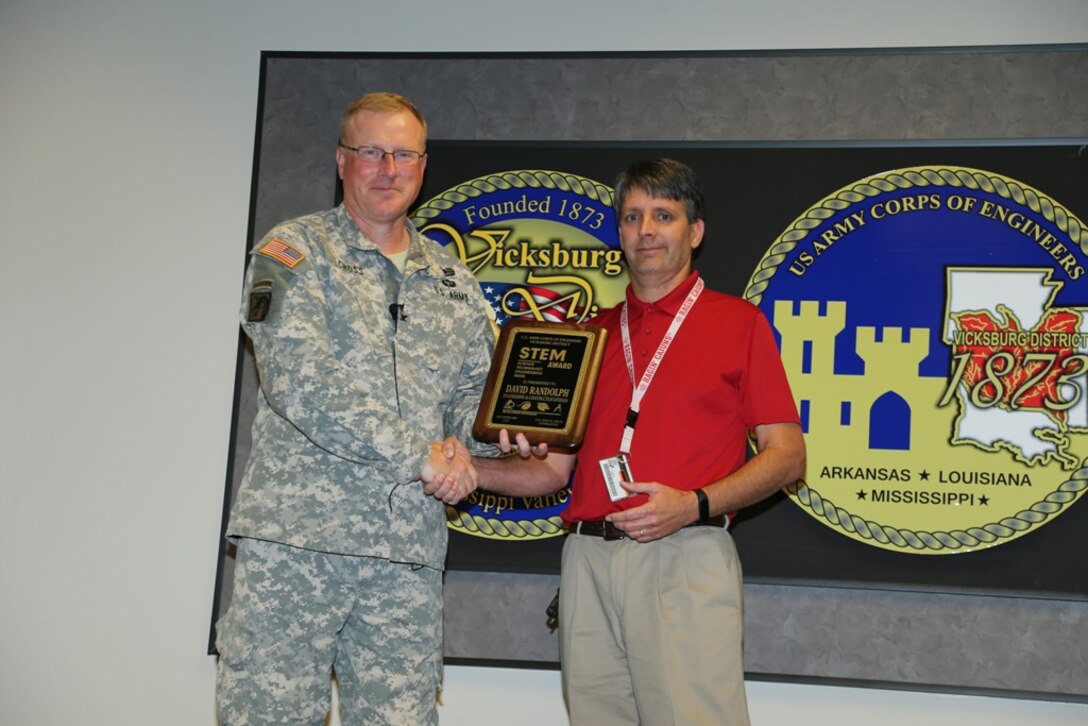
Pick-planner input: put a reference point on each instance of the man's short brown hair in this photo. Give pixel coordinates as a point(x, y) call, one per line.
point(665, 178)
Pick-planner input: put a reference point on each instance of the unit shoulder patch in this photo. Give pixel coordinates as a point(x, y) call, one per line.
point(260, 301)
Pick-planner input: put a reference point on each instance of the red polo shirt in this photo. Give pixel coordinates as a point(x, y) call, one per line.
point(721, 377)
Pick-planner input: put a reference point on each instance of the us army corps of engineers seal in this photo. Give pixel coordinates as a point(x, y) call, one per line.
point(932, 323)
point(544, 246)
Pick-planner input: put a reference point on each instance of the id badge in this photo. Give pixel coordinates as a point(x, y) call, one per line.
point(616, 470)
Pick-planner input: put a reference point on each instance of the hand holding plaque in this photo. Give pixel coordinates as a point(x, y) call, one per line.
point(541, 382)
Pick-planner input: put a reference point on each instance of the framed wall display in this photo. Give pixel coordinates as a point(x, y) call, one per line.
point(915, 237)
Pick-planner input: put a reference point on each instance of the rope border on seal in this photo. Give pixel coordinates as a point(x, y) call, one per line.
point(498, 529)
point(988, 534)
point(960, 177)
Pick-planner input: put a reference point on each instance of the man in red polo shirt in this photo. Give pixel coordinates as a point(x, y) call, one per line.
point(650, 608)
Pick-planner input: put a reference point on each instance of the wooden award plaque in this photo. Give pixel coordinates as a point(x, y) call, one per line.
point(541, 382)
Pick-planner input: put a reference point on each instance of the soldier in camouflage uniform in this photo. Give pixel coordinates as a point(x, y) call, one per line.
point(372, 344)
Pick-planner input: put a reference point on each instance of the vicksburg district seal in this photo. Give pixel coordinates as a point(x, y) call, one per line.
point(933, 327)
point(544, 246)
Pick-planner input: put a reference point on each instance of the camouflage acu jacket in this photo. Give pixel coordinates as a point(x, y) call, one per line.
point(351, 396)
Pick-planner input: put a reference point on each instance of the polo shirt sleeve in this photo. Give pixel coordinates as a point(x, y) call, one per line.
point(767, 395)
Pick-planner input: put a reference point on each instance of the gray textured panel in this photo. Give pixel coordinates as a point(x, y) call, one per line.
point(964, 641)
point(955, 641)
point(506, 611)
point(912, 638)
point(876, 96)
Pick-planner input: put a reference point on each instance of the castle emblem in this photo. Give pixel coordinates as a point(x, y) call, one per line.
point(934, 326)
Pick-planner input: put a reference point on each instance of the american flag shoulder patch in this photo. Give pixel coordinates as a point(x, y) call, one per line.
point(277, 249)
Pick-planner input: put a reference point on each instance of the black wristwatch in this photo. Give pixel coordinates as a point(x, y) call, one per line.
point(704, 505)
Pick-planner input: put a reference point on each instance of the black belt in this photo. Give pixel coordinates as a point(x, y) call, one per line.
point(609, 531)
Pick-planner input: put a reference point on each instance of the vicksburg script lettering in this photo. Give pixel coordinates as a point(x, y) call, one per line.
point(555, 255)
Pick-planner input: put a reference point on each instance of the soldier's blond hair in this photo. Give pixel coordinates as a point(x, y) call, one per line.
point(381, 102)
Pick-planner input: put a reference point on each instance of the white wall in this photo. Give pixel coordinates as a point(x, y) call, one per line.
point(126, 138)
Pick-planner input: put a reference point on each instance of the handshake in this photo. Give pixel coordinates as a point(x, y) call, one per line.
point(450, 474)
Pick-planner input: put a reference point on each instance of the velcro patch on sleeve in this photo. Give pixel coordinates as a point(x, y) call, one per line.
point(260, 301)
point(279, 250)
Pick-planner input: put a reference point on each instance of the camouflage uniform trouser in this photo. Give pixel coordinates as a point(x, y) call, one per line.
point(295, 614)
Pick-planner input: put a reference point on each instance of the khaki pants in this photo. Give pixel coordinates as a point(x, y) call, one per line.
point(651, 634)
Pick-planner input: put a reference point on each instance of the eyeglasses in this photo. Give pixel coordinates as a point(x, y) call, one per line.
point(374, 155)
